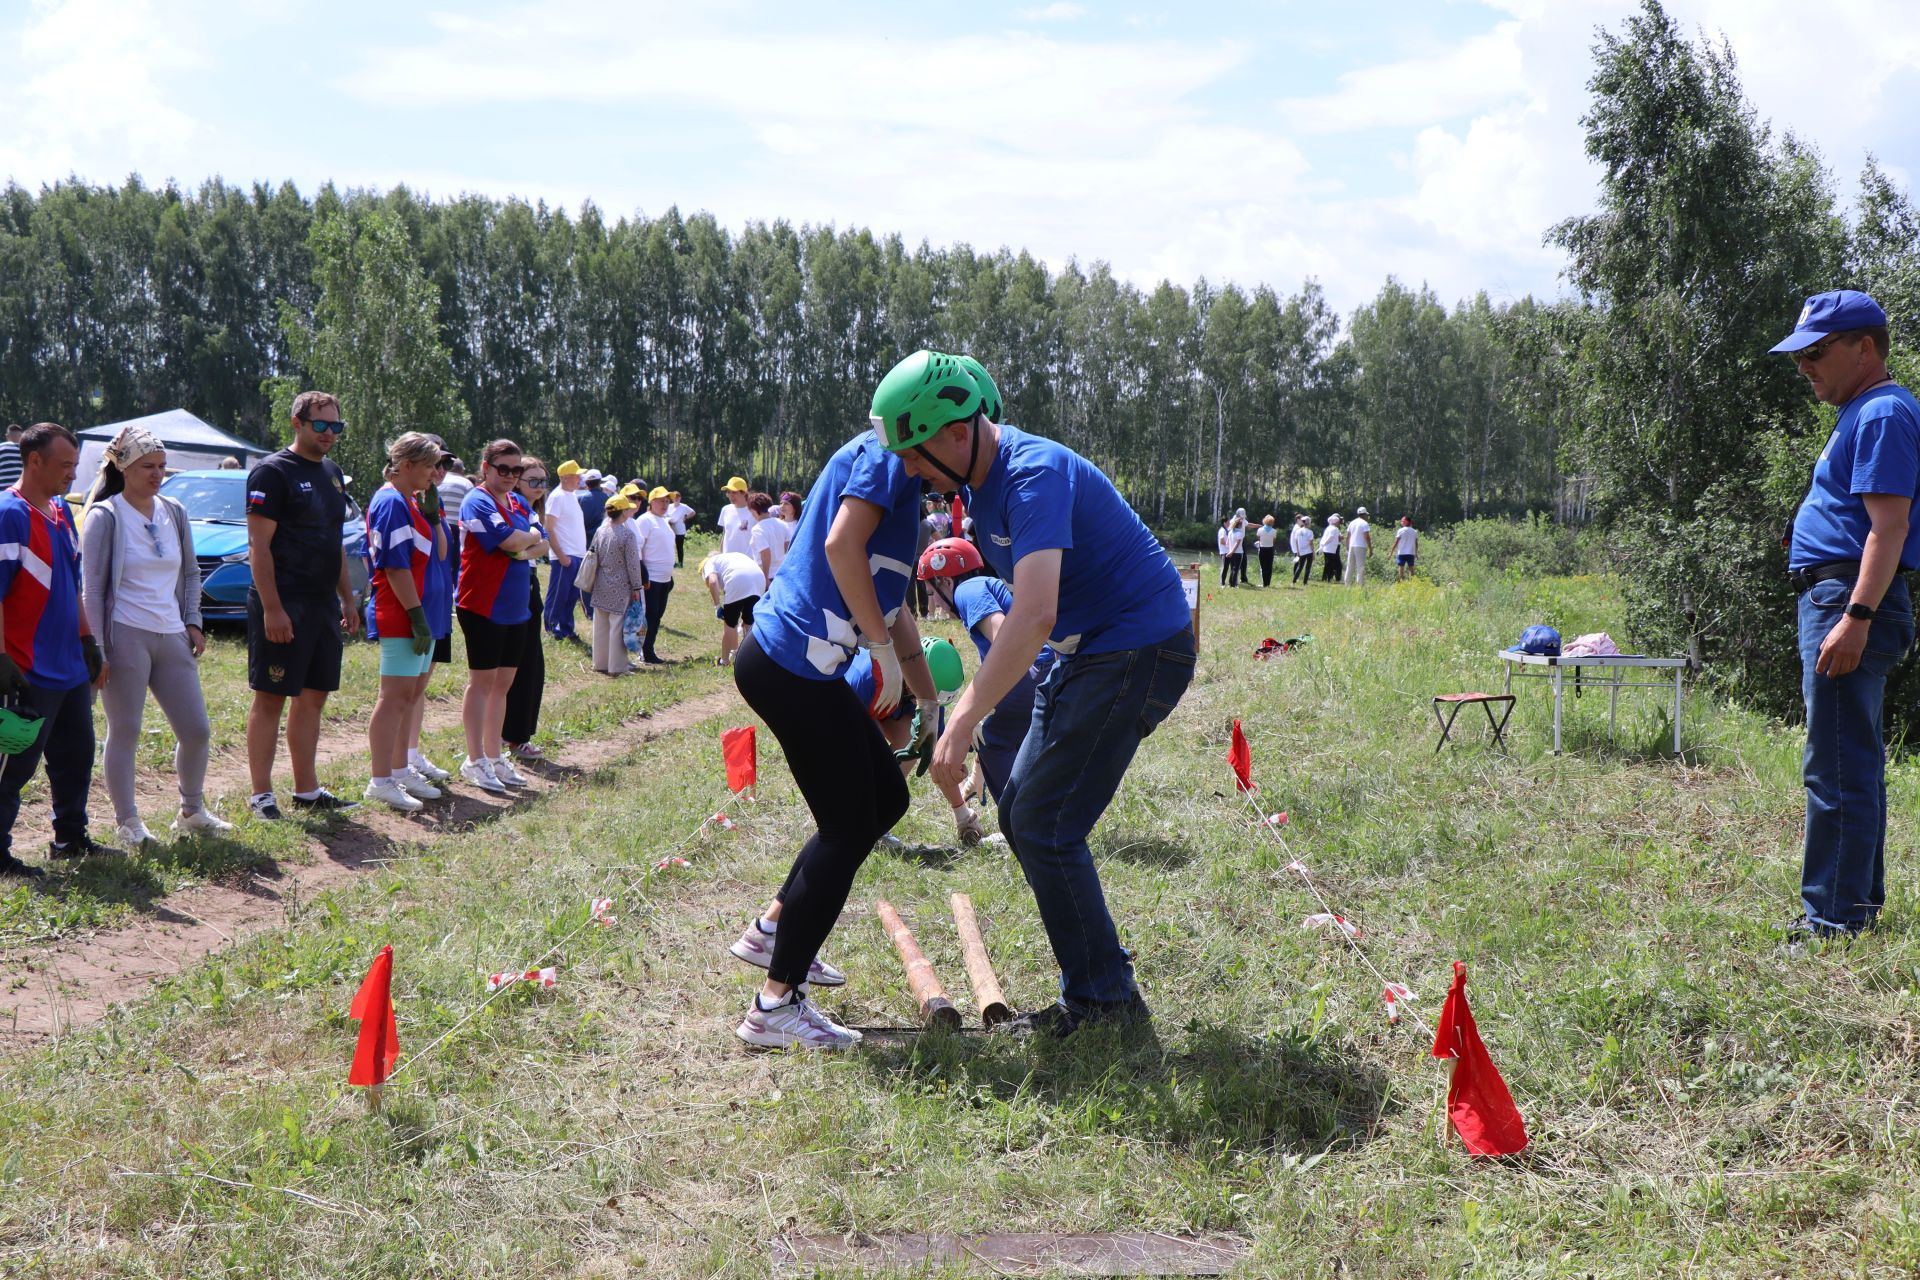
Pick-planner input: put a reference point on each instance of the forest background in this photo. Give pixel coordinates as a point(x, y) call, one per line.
point(1639, 415)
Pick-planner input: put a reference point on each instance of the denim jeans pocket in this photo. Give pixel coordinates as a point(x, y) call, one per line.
point(1172, 672)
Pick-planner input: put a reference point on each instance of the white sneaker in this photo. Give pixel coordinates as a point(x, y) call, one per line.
point(201, 819)
point(393, 795)
point(756, 948)
point(794, 1022)
point(132, 835)
point(417, 784)
point(427, 768)
point(480, 775)
point(503, 769)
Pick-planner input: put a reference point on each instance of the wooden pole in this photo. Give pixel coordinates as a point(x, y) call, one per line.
point(973, 949)
point(935, 1008)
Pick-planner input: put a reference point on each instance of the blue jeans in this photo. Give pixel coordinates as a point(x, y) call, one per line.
point(1843, 877)
point(561, 593)
point(1089, 716)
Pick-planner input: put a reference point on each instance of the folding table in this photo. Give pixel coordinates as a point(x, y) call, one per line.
point(1616, 665)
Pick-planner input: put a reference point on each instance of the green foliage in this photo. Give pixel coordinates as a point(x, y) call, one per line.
point(1530, 548)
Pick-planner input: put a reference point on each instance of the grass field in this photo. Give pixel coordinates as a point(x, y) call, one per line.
point(1700, 1104)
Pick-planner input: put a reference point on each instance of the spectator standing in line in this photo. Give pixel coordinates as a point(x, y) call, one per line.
point(657, 545)
point(521, 720)
point(439, 605)
point(492, 606)
point(1406, 543)
point(401, 541)
point(141, 592)
point(1852, 540)
point(618, 581)
point(769, 535)
point(678, 513)
point(1359, 546)
point(300, 606)
point(52, 663)
point(1300, 543)
point(10, 464)
point(566, 527)
point(736, 522)
point(736, 585)
point(1264, 537)
point(1223, 545)
point(593, 510)
point(453, 491)
point(790, 513)
point(1330, 550)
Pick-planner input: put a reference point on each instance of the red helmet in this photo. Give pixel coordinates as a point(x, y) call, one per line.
point(949, 558)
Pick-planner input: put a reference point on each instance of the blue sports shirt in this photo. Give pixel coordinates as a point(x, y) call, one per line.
point(1874, 448)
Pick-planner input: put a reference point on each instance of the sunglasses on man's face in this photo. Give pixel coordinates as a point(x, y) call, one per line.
point(324, 425)
point(1815, 353)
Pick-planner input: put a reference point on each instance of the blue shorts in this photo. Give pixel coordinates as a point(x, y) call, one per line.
point(1404, 561)
point(397, 657)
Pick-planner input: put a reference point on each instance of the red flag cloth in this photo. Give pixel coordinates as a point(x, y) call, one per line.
point(1477, 1099)
point(379, 1046)
point(743, 767)
point(1241, 758)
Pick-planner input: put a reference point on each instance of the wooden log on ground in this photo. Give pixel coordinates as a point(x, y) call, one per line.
point(935, 1008)
point(994, 1008)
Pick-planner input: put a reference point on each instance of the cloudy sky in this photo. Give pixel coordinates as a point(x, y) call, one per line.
point(1258, 141)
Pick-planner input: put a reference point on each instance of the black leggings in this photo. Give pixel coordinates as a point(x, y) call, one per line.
point(851, 782)
point(1266, 566)
point(1303, 568)
point(1330, 570)
point(529, 687)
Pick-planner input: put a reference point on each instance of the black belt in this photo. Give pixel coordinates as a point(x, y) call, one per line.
point(1802, 580)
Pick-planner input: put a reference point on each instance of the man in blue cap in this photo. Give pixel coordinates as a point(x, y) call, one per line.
point(1851, 539)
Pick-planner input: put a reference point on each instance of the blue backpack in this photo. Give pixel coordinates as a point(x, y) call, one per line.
point(1539, 638)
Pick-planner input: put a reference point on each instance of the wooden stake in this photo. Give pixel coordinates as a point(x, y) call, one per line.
point(935, 1008)
point(973, 949)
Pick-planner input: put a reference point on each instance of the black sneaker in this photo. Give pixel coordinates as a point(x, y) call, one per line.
point(12, 866)
point(652, 661)
point(1060, 1020)
point(84, 847)
point(1803, 934)
point(266, 807)
point(326, 800)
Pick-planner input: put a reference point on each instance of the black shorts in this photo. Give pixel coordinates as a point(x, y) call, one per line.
point(740, 611)
point(443, 649)
point(311, 660)
point(490, 644)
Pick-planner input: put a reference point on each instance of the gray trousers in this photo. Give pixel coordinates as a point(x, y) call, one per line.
point(136, 662)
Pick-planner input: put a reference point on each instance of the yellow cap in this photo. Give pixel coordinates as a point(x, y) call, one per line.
point(569, 468)
point(630, 491)
point(736, 485)
point(619, 502)
point(659, 491)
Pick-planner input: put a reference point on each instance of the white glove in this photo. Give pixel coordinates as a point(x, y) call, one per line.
point(888, 683)
point(980, 732)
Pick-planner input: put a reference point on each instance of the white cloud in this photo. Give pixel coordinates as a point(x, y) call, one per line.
point(1482, 71)
point(1059, 11)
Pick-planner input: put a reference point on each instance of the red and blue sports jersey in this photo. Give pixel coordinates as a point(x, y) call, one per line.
point(493, 583)
point(40, 582)
point(398, 537)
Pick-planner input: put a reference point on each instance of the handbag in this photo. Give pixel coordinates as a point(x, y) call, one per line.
point(588, 571)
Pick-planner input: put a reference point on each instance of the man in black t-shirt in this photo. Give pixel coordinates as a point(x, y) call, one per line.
point(300, 604)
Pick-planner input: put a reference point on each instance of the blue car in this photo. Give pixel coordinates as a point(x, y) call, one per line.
point(216, 503)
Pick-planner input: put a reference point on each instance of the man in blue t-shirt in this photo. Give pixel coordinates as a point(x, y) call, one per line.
point(51, 664)
point(1089, 580)
point(1851, 538)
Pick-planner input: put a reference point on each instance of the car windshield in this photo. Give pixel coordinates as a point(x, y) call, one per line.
point(210, 497)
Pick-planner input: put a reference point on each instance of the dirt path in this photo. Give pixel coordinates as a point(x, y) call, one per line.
point(47, 989)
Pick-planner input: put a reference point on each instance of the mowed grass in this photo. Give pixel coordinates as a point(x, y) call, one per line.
point(1700, 1104)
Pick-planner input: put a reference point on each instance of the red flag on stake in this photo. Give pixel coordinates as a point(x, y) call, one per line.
point(1478, 1103)
point(959, 517)
point(379, 1046)
point(743, 768)
point(1241, 758)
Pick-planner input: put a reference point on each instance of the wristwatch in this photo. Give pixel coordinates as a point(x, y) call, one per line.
point(1857, 610)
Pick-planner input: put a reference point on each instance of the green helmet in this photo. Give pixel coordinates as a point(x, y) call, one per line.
point(18, 734)
point(923, 393)
point(943, 661)
point(989, 394)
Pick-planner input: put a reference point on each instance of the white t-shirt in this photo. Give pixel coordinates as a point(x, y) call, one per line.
point(566, 524)
point(1301, 540)
point(791, 526)
point(1223, 540)
point(149, 593)
point(770, 535)
point(655, 536)
point(1330, 540)
point(740, 576)
point(1404, 539)
point(1264, 535)
point(1357, 532)
point(677, 513)
point(736, 529)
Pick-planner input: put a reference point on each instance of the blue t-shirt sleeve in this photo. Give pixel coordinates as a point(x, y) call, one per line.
point(876, 476)
point(13, 542)
point(392, 531)
point(1039, 511)
point(483, 520)
point(1886, 450)
point(978, 601)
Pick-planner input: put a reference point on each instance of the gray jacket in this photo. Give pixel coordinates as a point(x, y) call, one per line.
point(100, 566)
point(616, 559)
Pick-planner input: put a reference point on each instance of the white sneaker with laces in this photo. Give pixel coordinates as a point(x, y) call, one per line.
point(417, 784)
point(201, 819)
point(756, 948)
point(133, 834)
point(480, 775)
point(391, 794)
point(427, 768)
point(793, 1023)
point(503, 769)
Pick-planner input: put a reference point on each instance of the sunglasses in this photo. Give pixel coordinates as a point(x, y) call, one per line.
point(154, 531)
point(1815, 353)
point(324, 425)
point(515, 472)
point(536, 481)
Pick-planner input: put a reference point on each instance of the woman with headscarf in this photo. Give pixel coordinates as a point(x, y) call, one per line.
point(141, 590)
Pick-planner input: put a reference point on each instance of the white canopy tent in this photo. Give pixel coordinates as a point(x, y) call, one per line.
point(192, 445)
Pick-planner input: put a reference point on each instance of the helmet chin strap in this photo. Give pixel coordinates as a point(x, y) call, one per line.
point(973, 455)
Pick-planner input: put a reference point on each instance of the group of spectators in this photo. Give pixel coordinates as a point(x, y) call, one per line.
point(1356, 536)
